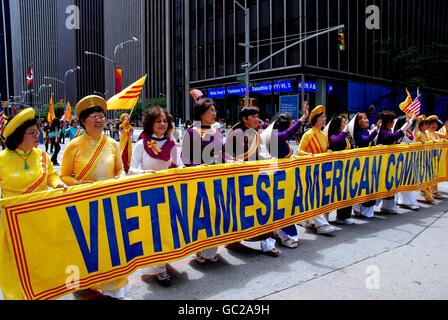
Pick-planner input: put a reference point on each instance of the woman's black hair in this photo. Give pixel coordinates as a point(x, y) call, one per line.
point(386, 117)
point(151, 116)
point(246, 112)
point(201, 107)
point(314, 120)
point(335, 126)
point(357, 127)
point(282, 122)
point(16, 138)
point(86, 113)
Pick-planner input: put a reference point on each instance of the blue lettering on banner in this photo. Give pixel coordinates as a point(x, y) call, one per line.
point(202, 223)
point(90, 256)
point(298, 194)
point(153, 198)
point(337, 179)
point(225, 207)
point(390, 180)
point(128, 225)
point(326, 183)
point(111, 232)
point(179, 216)
point(264, 198)
point(279, 194)
point(246, 201)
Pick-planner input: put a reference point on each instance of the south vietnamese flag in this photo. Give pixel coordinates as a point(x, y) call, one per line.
point(128, 98)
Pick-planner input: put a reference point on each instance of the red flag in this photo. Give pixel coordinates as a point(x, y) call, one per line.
point(29, 76)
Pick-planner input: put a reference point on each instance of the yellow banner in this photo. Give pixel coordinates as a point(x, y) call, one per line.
point(99, 232)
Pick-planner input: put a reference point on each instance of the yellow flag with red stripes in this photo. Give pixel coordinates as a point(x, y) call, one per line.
point(128, 98)
point(51, 114)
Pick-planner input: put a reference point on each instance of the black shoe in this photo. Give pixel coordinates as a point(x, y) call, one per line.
point(56, 164)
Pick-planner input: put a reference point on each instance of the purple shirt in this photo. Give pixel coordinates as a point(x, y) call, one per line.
point(387, 137)
point(363, 138)
point(338, 142)
point(283, 137)
point(198, 151)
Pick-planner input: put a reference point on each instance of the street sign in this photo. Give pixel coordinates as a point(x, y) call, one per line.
point(246, 65)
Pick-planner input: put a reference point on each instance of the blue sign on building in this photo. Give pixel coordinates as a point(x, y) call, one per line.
point(283, 86)
point(216, 93)
point(311, 87)
point(290, 104)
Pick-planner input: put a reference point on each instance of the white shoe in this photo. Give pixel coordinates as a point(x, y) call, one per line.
point(348, 221)
point(327, 229)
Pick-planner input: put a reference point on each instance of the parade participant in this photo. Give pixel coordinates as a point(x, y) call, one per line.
point(93, 157)
point(338, 138)
point(421, 136)
point(156, 151)
point(126, 140)
point(243, 144)
point(24, 169)
point(243, 140)
point(359, 129)
point(280, 132)
point(74, 131)
point(55, 131)
point(203, 145)
point(387, 137)
point(434, 126)
point(443, 132)
point(406, 199)
point(314, 141)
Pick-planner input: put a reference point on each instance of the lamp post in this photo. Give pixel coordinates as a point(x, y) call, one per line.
point(114, 60)
point(77, 68)
point(43, 86)
point(247, 46)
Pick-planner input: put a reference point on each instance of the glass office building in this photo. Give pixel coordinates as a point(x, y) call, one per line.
point(409, 49)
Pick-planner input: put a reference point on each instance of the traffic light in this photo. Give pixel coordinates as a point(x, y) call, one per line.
point(252, 102)
point(341, 41)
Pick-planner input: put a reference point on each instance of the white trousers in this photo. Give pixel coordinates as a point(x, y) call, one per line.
point(407, 198)
point(320, 221)
point(268, 244)
point(286, 237)
point(368, 212)
point(389, 205)
point(209, 253)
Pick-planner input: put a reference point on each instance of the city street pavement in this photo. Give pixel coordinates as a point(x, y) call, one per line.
point(402, 256)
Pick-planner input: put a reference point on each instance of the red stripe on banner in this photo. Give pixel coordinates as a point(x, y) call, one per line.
point(285, 222)
point(182, 253)
point(19, 253)
point(191, 177)
point(235, 171)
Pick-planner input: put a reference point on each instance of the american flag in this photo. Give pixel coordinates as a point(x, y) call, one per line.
point(414, 107)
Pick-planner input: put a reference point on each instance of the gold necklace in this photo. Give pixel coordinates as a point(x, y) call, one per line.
point(25, 158)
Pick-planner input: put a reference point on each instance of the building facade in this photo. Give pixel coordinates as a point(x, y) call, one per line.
point(404, 45)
